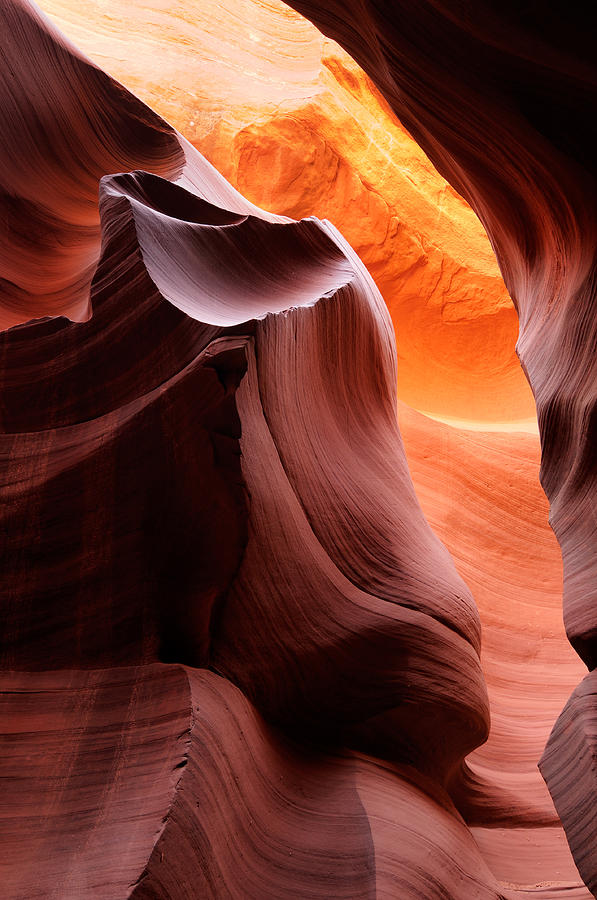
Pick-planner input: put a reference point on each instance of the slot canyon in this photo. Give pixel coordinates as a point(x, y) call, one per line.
point(299, 372)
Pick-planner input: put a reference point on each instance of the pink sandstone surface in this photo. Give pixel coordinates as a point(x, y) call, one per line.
point(236, 659)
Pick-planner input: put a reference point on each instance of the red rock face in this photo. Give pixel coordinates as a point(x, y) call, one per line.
point(308, 134)
point(498, 101)
point(237, 662)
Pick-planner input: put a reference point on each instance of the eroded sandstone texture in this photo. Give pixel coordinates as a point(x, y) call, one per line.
point(236, 660)
point(298, 129)
point(498, 98)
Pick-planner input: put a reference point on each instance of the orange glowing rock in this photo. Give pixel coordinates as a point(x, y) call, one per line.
point(293, 123)
point(480, 492)
point(297, 127)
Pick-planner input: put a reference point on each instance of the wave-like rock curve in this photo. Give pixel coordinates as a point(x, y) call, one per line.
point(498, 99)
point(160, 506)
point(205, 468)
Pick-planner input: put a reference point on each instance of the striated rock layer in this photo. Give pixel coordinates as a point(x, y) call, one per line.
point(204, 468)
point(175, 777)
point(481, 494)
point(295, 125)
point(207, 470)
point(308, 132)
point(499, 100)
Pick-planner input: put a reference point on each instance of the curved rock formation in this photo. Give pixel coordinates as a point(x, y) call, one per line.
point(498, 100)
point(159, 505)
point(57, 143)
point(256, 816)
point(570, 752)
point(294, 136)
point(205, 468)
point(481, 494)
point(176, 774)
point(90, 764)
point(296, 126)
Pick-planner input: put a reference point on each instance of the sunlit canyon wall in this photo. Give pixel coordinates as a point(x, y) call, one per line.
point(242, 665)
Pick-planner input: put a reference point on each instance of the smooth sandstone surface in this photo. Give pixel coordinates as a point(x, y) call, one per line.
point(518, 82)
point(175, 400)
point(172, 777)
point(307, 131)
point(191, 505)
point(89, 764)
point(480, 492)
point(298, 129)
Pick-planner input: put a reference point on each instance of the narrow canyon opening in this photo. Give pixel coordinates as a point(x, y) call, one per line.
point(296, 126)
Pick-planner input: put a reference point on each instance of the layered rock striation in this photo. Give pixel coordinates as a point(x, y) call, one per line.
point(297, 127)
point(236, 656)
point(498, 99)
point(170, 472)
